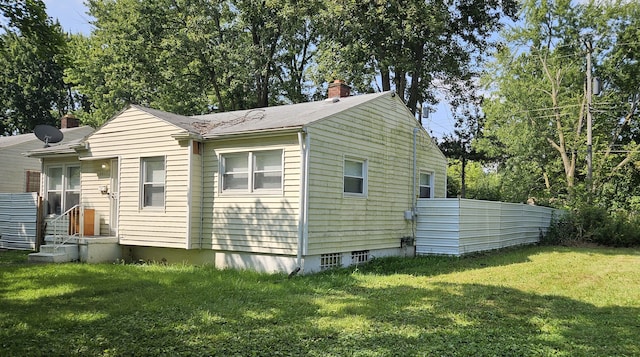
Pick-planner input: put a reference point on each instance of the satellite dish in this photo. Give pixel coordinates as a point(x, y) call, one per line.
point(48, 134)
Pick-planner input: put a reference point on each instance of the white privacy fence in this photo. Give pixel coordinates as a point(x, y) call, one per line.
point(18, 220)
point(457, 226)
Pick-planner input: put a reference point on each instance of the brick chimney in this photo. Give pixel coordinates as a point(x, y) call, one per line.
point(338, 89)
point(69, 121)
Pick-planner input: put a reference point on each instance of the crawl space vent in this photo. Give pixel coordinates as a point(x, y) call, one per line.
point(330, 260)
point(359, 257)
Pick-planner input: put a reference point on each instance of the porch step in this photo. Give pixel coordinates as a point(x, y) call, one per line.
point(51, 254)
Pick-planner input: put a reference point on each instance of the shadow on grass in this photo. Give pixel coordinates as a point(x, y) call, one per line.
point(115, 310)
point(12, 257)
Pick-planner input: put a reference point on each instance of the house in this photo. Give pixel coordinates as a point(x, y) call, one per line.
point(295, 187)
point(22, 174)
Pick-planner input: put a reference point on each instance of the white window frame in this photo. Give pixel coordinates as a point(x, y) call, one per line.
point(251, 172)
point(364, 177)
point(64, 182)
point(430, 185)
point(144, 183)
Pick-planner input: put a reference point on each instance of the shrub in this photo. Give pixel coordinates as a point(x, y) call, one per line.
point(594, 225)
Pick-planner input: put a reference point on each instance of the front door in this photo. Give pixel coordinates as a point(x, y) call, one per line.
point(113, 198)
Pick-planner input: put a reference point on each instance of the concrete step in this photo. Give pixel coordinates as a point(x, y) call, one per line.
point(48, 258)
point(52, 254)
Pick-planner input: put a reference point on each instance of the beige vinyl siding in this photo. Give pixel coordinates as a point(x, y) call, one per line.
point(131, 136)
point(259, 223)
point(380, 132)
point(13, 167)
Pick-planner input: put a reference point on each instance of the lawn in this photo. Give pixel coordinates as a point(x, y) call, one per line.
point(532, 301)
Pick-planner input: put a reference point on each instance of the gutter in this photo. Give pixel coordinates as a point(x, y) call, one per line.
point(257, 133)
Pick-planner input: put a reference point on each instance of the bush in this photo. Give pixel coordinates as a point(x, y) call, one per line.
point(594, 225)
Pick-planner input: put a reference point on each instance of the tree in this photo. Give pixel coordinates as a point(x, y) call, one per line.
point(410, 45)
point(458, 146)
point(537, 106)
point(194, 56)
point(32, 62)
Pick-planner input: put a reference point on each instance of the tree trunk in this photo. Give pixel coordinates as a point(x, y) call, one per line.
point(386, 78)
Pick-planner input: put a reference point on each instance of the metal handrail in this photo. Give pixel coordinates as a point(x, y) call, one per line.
point(68, 231)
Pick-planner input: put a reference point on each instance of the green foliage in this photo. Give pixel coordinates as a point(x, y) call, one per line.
point(536, 113)
point(591, 224)
point(481, 184)
point(409, 44)
point(521, 302)
point(32, 61)
point(194, 57)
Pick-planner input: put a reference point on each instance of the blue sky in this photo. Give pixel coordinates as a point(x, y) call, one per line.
point(71, 14)
point(73, 18)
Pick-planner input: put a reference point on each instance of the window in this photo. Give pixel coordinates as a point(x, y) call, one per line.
point(267, 170)
point(72, 187)
point(153, 176)
point(355, 173)
point(63, 188)
point(425, 185)
point(236, 172)
point(33, 181)
point(257, 171)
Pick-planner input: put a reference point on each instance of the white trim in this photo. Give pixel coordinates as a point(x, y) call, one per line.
point(431, 186)
point(118, 161)
point(95, 158)
point(143, 174)
point(250, 190)
point(365, 176)
point(64, 181)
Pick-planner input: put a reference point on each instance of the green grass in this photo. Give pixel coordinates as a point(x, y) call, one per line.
point(534, 301)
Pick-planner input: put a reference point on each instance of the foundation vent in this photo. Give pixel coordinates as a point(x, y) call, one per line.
point(359, 257)
point(331, 260)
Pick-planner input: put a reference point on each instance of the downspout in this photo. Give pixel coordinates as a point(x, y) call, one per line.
point(189, 191)
point(414, 209)
point(303, 141)
point(415, 165)
point(305, 236)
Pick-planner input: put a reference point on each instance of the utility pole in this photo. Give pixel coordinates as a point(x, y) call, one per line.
point(589, 125)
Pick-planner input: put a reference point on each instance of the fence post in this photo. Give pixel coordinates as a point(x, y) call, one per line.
point(39, 223)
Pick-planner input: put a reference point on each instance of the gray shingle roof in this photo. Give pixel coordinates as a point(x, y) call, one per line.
point(261, 119)
point(69, 134)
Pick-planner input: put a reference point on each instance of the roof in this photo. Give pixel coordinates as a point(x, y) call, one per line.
point(261, 119)
point(69, 134)
point(63, 148)
point(238, 122)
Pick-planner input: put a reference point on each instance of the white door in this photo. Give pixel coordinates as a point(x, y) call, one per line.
point(113, 198)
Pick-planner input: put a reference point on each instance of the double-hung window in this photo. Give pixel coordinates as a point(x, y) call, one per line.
point(253, 171)
point(426, 185)
point(153, 181)
point(63, 188)
point(355, 177)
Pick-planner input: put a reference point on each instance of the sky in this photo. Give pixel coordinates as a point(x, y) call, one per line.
point(73, 18)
